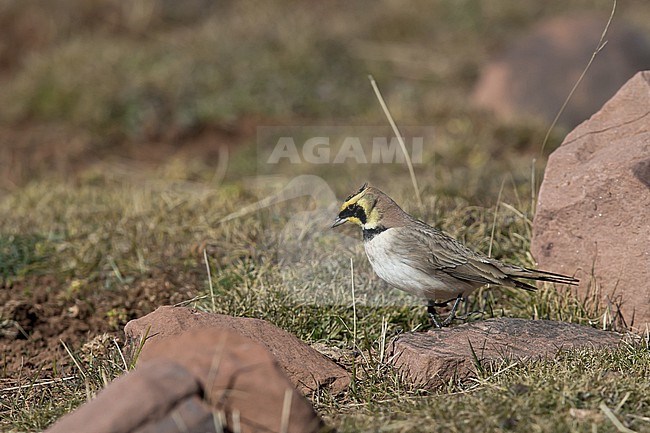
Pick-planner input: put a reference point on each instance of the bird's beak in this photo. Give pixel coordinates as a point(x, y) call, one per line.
point(339, 221)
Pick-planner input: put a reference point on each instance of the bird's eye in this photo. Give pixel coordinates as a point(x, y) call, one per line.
point(347, 212)
point(354, 210)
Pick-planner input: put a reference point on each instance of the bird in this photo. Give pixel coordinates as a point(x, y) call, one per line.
point(413, 256)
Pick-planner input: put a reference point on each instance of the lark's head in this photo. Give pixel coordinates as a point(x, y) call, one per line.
point(371, 209)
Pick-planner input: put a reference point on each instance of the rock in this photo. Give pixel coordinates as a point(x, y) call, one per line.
point(133, 400)
point(238, 378)
point(535, 74)
point(202, 381)
point(307, 369)
point(193, 414)
point(433, 359)
point(593, 211)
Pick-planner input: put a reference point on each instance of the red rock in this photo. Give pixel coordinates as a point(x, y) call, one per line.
point(132, 400)
point(535, 73)
point(433, 359)
point(201, 381)
point(307, 369)
point(239, 378)
point(593, 211)
point(190, 415)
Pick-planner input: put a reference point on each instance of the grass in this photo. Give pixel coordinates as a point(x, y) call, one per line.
point(22, 254)
point(166, 75)
point(254, 275)
point(32, 404)
point(519, 398)
point(152, 78)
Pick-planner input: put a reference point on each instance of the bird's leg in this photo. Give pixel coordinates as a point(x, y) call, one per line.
point(435, 318)
point(433, 315)
point(452, 314)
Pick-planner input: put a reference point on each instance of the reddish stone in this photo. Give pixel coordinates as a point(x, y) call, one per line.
point(433, 359)
point(132, 400)
point(239, 378)
point(536, 72)
point(307, 369)
point(202, 381)
point(593, 213)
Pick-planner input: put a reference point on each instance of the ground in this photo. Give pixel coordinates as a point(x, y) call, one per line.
point(128, 135)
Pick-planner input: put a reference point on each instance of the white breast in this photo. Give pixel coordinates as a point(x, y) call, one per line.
point(397, 271)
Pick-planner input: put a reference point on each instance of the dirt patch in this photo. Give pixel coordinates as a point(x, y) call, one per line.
point(27, 152)
point(30, 26)
point(35, 151)
point(36, 315)
point(39, 312)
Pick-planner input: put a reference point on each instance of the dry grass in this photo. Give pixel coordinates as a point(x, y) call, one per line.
point(303, 285)
point(112, 227)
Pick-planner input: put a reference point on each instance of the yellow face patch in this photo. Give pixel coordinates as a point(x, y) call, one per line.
point(354, 220)
point(358, 209)
point(353, 198)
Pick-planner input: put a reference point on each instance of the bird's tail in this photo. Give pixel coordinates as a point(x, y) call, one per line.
point(533, 274)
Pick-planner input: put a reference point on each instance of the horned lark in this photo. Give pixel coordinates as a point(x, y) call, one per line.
point(413, 256)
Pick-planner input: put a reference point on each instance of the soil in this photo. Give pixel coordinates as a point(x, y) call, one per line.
point(37, 150)
point(37, 317)
point(36, 314)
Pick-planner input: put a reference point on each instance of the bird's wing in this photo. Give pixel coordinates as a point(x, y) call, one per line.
point(431, 251)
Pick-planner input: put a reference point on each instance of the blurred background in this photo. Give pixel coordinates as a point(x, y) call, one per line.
point(131, 136)
point(160, 88)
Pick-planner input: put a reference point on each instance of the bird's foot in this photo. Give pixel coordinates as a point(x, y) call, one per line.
point(433, 315)
point(435, 321)
point(472, 315)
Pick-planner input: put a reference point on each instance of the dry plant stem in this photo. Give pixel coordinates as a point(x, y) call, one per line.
point(76, 363)
point(222, 166)
point(601, 44)
point(31, 385)
point(119, 350)
point(533, 189)
point(496, 212)
point(612, 417)
point(286, 411)
point(399, 139)
point(207, 266)
point(354, 303)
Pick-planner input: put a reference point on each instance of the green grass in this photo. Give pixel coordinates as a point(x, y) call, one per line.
point(149, 76)
point(157, 77)
point(31, 403)
point(256, 276)
point(563, 394)
point(22, 254)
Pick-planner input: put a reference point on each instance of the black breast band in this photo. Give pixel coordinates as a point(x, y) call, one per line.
point(371, 233)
